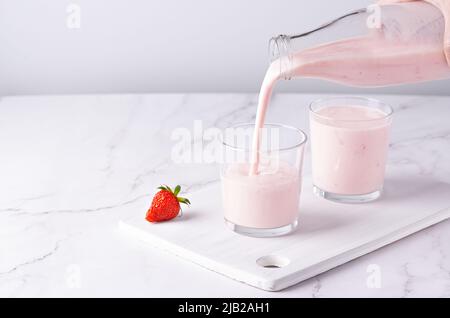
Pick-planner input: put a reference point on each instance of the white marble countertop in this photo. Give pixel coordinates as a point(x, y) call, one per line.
point(72, 166)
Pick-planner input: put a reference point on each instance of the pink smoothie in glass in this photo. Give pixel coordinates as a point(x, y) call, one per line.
point(264, 201)
point(349, 147)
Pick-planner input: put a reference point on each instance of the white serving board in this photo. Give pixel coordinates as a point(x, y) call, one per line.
point(329, 234)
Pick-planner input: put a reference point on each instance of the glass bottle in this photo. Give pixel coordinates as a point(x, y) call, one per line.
point(378, 46)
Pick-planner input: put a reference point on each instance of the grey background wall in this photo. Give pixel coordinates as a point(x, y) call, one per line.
point(157, 46)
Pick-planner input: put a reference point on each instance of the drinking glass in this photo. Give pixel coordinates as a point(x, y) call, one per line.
point(264, 204)
point(349, 146)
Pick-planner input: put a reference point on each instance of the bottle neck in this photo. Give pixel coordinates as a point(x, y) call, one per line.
point(280, 52)
point(283, 47)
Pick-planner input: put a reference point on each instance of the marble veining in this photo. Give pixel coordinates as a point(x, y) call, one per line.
point(72, 166)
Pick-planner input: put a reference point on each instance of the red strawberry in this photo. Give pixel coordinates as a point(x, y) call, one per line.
point(165, 205)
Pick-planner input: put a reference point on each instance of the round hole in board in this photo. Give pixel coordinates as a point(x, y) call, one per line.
point(272, 261)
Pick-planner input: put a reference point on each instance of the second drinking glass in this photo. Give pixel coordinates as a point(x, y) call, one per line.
point(349, 143)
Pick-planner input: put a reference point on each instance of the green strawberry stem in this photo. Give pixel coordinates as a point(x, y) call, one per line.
point(183, 200)
point(177, 190)
point(175, 193)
